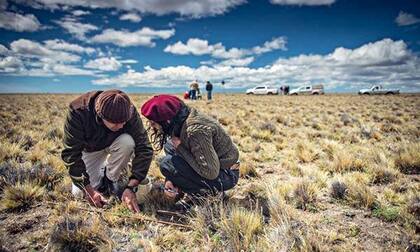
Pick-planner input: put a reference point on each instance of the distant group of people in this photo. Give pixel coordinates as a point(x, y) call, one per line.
point(195, 94)
point(104, 132)
point(284, 90)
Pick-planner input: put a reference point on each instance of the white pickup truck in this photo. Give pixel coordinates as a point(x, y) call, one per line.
point(377, 89)
point(262, 90)
point(308, 90)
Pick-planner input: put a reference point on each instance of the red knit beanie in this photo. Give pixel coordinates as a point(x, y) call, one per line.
point(114, 106)
point(161, 108)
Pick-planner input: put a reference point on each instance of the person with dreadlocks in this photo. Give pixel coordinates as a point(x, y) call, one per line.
point(200, 156)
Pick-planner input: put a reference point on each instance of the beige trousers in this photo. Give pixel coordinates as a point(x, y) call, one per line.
point(115, 158)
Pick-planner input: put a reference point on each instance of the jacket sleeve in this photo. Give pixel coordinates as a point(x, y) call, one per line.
point(143, 150)
point(74, 144)
point(201, 156)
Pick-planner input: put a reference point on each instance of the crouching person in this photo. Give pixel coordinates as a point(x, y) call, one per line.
point(200, 156)
point(102, 133)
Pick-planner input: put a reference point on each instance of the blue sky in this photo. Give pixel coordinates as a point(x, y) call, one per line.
point(161, 46)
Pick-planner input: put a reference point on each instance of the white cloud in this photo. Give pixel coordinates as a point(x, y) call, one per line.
point(234, 56)
point(129, 61)
point(17, 22)
point(275, 44)
point(404, 19)
point(30, 49)
point(30, 58)
point(302, 2)
point(133, 17)
point(80, 12)
point(57, 44)
point(237, 62)
point(142, 37)
point(194, 46)
point(191, 8)
point(75, 28)
point(386, 62)
point(104, 64)
point(10, 64)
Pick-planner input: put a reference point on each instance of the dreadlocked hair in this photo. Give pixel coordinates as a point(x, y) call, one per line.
point(158, 137)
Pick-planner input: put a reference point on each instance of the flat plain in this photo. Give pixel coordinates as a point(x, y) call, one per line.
point(318, 173)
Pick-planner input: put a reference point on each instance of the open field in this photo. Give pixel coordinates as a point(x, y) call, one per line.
point(323, 173)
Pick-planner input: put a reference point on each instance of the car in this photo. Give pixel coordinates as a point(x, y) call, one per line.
point(262, 90)
point(308, 90)
point(378, 89)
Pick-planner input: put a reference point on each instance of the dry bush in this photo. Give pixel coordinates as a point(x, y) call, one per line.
point(345, 161)
point(241, 227)
point(358, 192)
point(171, 240)
point(19, 197)
point(305, 195)
point(338, 190)
point(12, 173)
point(73, 233)
point(408, 160)
point(306, 153)
point(248, 170)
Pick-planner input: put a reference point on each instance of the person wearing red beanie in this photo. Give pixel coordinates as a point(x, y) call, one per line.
point(102, 134)
point(200, 158)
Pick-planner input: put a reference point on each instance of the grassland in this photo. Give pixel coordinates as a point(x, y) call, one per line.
point(324, 173)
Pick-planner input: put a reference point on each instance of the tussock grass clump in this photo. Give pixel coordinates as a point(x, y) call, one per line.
point(382, 175)
point(43, 175)
point(306, 153)
point(358, 192)
point(20, 197)
point(264, 135)
point(10, 151)
point(241, 226)
point(74, 234)
point(171, 240)
point(248, 170)
point(305, 195)
point(269, 126)
point(343, 162)
point(408, 160)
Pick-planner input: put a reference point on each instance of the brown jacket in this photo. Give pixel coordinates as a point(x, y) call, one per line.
point(85, 131)
point(206, 146)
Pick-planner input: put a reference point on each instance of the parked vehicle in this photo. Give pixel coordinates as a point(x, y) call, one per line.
point(308, 90)
point(377, 89)
point(262, 90)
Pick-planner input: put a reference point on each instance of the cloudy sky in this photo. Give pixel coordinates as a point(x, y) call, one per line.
point(161, 45)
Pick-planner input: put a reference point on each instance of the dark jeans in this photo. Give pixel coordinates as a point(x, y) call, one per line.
point(208, 95)
point(193, 94)
point(182, 175)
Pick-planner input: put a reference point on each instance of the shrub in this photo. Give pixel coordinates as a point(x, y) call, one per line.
point(359, 194)
point(305, 195)
point(74, 234)
point(20, 197)
point(408, 160)
point(241, 226)
point(247, 170)
point(338, 190)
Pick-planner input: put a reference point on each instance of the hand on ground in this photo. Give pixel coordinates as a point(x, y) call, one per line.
point(95, 198)
point(130, 200)
point(171, 191)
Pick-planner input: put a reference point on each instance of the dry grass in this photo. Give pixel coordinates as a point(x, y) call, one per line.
point(333, 172)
